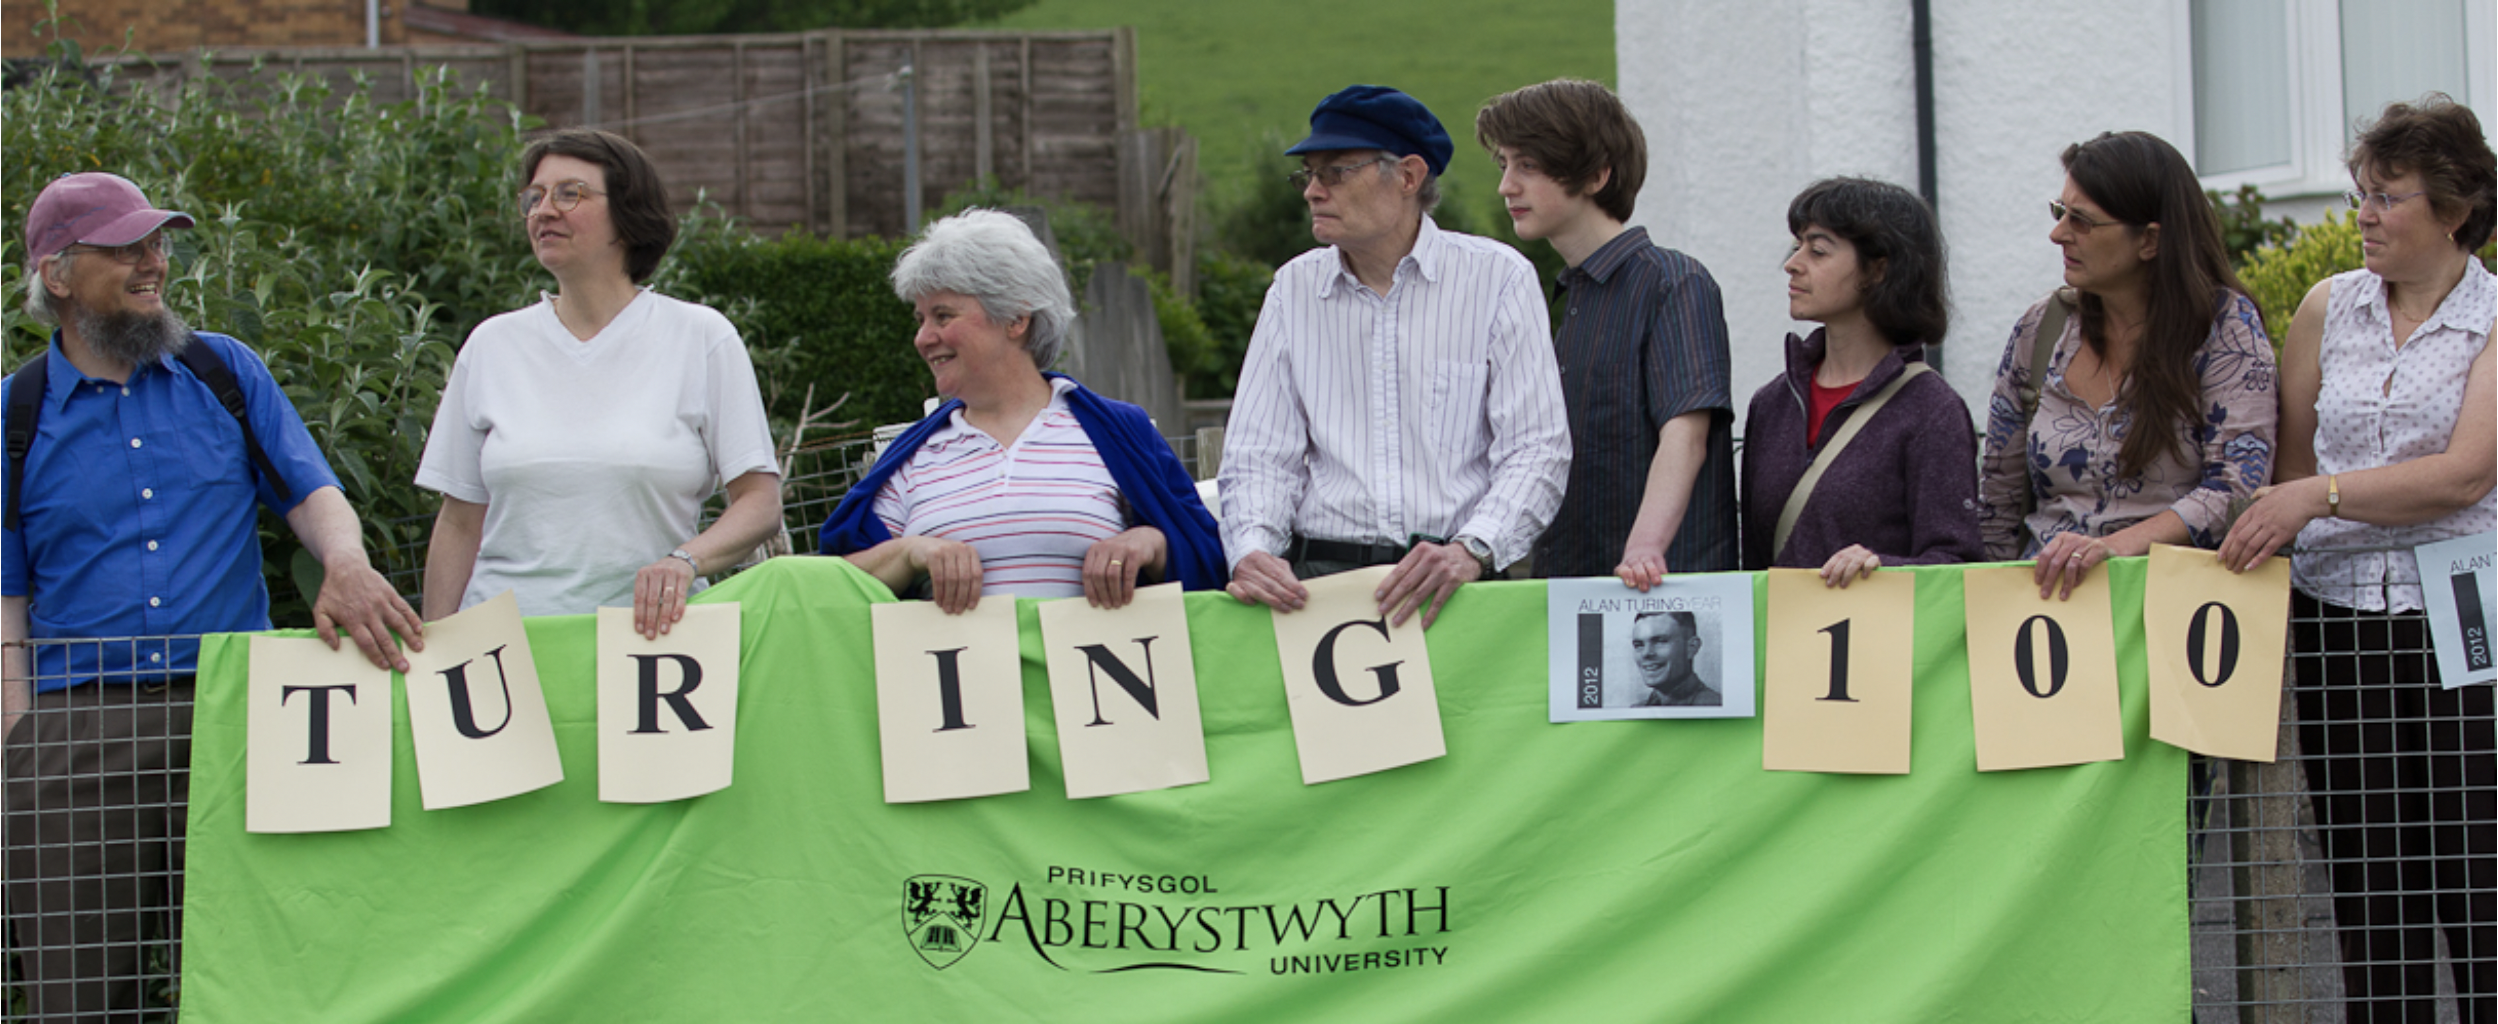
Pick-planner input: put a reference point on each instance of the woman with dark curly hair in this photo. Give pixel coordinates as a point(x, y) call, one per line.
point(1858, 419)
point(2144, 411)
point(2389, 440)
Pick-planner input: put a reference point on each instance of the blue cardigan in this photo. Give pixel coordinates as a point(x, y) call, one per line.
point(1157, 488)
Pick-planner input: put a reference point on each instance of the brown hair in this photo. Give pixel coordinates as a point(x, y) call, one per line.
point(636, 201)
point(2139, 179)
point(1574, 130)
point(2440, 140)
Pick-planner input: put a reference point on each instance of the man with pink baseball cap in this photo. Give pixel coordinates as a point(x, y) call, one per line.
point(137, 450)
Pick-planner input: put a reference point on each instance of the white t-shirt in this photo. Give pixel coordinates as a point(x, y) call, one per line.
point(1031, 509)
point(592, 458)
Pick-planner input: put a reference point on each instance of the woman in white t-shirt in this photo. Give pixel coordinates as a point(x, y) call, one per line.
point(578, 437)
point(2389, 440)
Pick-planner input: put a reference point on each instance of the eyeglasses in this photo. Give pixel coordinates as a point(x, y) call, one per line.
point(133, 254)
point(2081, 222)
point(2359, 200)
point(565, 196)
point(1333, 176)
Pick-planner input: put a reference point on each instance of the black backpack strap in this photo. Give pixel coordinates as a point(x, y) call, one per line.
point(25, 405)
point(212, 370)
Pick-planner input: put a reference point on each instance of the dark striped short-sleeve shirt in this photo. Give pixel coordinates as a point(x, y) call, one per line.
point(1640, 332)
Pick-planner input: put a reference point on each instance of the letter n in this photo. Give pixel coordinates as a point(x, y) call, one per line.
point(1098, 659)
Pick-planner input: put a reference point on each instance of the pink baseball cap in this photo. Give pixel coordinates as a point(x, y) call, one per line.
point(93, 208)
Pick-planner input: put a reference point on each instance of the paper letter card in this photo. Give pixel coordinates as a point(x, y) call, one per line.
point(1124, 692)
point(476, 712)
point(2214, 640)
point(2460, 588)
point(667, 708)
point(1681, 650)
point(1359, 690)
point(318, 740)
point(1840, 666)
point(2042, 672)
point(949, 701)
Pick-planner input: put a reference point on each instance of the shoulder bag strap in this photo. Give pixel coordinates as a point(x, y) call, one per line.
point(212, 370)
point(25, 406)
point(1830, 453)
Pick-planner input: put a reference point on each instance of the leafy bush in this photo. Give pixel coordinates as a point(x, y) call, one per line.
point(1265, 219)
point(2243, 227)
point(2277, 276)
point(1230, 292)
point(351, 243)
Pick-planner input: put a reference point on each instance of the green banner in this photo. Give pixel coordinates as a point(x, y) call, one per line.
point(1607, 871)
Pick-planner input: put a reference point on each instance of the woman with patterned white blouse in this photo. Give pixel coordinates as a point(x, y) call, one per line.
point(2388, 441)
point(2155, 414)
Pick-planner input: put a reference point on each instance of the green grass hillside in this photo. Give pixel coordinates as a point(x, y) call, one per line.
point(1233, 72)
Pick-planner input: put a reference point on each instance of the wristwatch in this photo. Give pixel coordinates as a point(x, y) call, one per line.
point(689, 560)
point(1479, 549)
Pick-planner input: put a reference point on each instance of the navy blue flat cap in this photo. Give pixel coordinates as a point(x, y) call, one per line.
point(1377, 117)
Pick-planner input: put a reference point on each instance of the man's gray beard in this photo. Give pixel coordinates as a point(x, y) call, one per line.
point(133, 338)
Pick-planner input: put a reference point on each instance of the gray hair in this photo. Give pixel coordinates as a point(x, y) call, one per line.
point(41, 304)
point(993, 258)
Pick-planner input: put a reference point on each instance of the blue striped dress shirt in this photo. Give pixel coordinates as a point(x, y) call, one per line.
point(1434, 409)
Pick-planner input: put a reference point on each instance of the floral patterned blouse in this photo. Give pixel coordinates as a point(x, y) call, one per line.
point(2068, 454)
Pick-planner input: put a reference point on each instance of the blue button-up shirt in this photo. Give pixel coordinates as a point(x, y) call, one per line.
point(137, 516)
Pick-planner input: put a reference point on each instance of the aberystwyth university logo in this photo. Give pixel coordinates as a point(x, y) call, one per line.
point(941, 914)
point(1109, 922)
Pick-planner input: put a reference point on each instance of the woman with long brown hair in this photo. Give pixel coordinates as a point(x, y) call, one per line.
point(2147, 412)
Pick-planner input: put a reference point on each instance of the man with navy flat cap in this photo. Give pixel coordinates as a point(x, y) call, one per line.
point(1400, 403)
point(137, 451)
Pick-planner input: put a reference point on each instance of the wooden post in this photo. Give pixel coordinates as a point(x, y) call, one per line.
point(1123, 75)
point(2267, 879)
point(1025, 118)
point(631, 131)
point(1179, 211)
point(983, 142)
point(589, 86)
point(1209, 452)
point(741, 131)
point(835, 140)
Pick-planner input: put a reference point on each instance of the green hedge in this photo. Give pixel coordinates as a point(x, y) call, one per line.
point(815, 313)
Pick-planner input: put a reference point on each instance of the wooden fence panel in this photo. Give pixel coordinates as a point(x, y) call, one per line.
point(806, 130)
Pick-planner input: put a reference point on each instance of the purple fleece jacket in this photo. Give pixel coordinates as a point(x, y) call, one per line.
point(1906, 488)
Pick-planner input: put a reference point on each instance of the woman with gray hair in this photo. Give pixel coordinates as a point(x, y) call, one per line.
point(1023, 482)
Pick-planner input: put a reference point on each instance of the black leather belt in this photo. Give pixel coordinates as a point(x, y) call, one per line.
point(1319, 550)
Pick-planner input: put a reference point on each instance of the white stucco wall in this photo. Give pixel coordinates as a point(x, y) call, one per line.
point(1745, 104)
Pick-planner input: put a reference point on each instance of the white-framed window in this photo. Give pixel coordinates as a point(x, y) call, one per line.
point(2278, 86)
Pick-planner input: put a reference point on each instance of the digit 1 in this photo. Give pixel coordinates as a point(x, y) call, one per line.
point(2228, 644)
point(1838, 661)
point(2024, 662)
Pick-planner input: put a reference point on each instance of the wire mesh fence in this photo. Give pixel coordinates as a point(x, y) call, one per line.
point(97, 786)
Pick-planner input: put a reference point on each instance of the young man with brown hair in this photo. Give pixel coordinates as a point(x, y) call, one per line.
point(1641, 338)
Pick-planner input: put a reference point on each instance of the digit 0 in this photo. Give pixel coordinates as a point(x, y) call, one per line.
point(2025, 657)
point(2196, 633)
